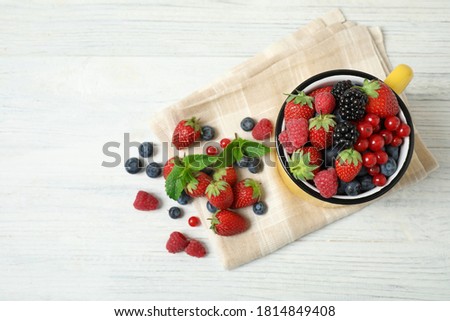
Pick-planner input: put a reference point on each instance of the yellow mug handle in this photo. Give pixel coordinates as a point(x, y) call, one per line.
point(399, 78)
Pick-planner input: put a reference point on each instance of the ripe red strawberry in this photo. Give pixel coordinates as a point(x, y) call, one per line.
point(228, 223)
point(283, 137)
point(324, 103)
point(220, 194)
point(298, 106)
point(326, 89)
point(327, 182)
point(195, 248)
point(145, 201)
point(382, 100)
point(168, 167)
point(228, 175)
point(305, 163)
point(297, 130)
point(246, 192)
point(187, 132)
point(321, 130)
point(197, 186)
point(263, 129)
point(177, 242)
point(348, 164)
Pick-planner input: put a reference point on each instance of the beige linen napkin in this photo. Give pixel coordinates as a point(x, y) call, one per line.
point(255, 89)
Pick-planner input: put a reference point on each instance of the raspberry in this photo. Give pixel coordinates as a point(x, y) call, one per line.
point(283, 137)
point(177, 242)
point(324, 103)
point(195, 248)
point(262, 129)
point(297, 130)
point(327, 182)
point(145, 201)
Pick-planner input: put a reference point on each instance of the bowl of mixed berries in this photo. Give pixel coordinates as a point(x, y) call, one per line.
point(345, 137)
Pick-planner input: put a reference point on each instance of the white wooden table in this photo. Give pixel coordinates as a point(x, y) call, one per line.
point(77, 74)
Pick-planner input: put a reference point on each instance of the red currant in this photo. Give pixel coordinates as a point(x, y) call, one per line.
point(364, 128)
point(376, 142)
point(396, 141)
point(211, 150)
point(382, 157)
point(361, 144)
point(224, 142)
point(376, 129)
point(193, 221)
point(404, 130)
point(391, 123)
point(374, 170)
point(369, 159)
point(387, 135)
point(373, 119)
point(379, 180)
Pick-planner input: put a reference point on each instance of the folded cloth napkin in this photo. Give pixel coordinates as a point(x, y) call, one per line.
point(255, 89)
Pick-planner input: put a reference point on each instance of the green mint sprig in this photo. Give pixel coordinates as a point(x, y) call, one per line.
point(184, 170)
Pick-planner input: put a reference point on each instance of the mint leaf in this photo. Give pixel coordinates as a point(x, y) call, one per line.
point(254, 149)
point(174, 185)
point(226, 158)
point(197, 162)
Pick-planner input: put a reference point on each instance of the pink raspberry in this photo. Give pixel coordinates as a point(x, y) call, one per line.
point(283, 137)
point(177, 242)
point(327, 182)
point(262, 129)
point(297, 130)
point(145, 201)
point(195, 248)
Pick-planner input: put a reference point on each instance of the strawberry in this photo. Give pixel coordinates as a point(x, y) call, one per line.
point(168, 167)
point(382, 100)
point(326, 89)
point(187, 132)
point(348, 164)
point(246, 192)
point(226, 174)
point(198, 184)
point(321, 130)
point(228, 223)
point(263, 129)
point(195, 248)
point(298, 106)
point(220, 194)
point(305, 163)
point(177, 242)
point(324, 103)
point(327, 182)
point(145, 201)
point(297, 130)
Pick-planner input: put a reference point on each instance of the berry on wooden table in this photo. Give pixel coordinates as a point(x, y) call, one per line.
point(145, 201)
point(224, 142)
point(133, 165)
point(184, 198)
point(153, 170)
point(174, 212)
point(208, 133)
point(177, 242)
point(146, 149)
point(263, 129)
point(259, 208)
point(195, 248)
point(247, 124)
point(193, 221)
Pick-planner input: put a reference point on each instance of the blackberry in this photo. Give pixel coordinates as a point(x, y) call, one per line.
point(339, 88)
point(345, 135)
point(352, 104)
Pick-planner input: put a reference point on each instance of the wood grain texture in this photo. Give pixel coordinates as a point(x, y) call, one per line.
point(77, 74)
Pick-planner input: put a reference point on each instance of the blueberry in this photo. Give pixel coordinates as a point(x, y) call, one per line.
point(255, 168)
point(133, 165)
point(247, 124)
point(208, 133)
point(389, 168)
point(184, 198)
point(353, 188)
point(341, 187)
point(153, 170)
point(330, 156)
point(362, 172)
point(211, 207)
point(366, 183)
point(174, 212)
point(392, 151)
point(259, 208)
point(245, 161)
point(208, 171)
point(146, 149)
